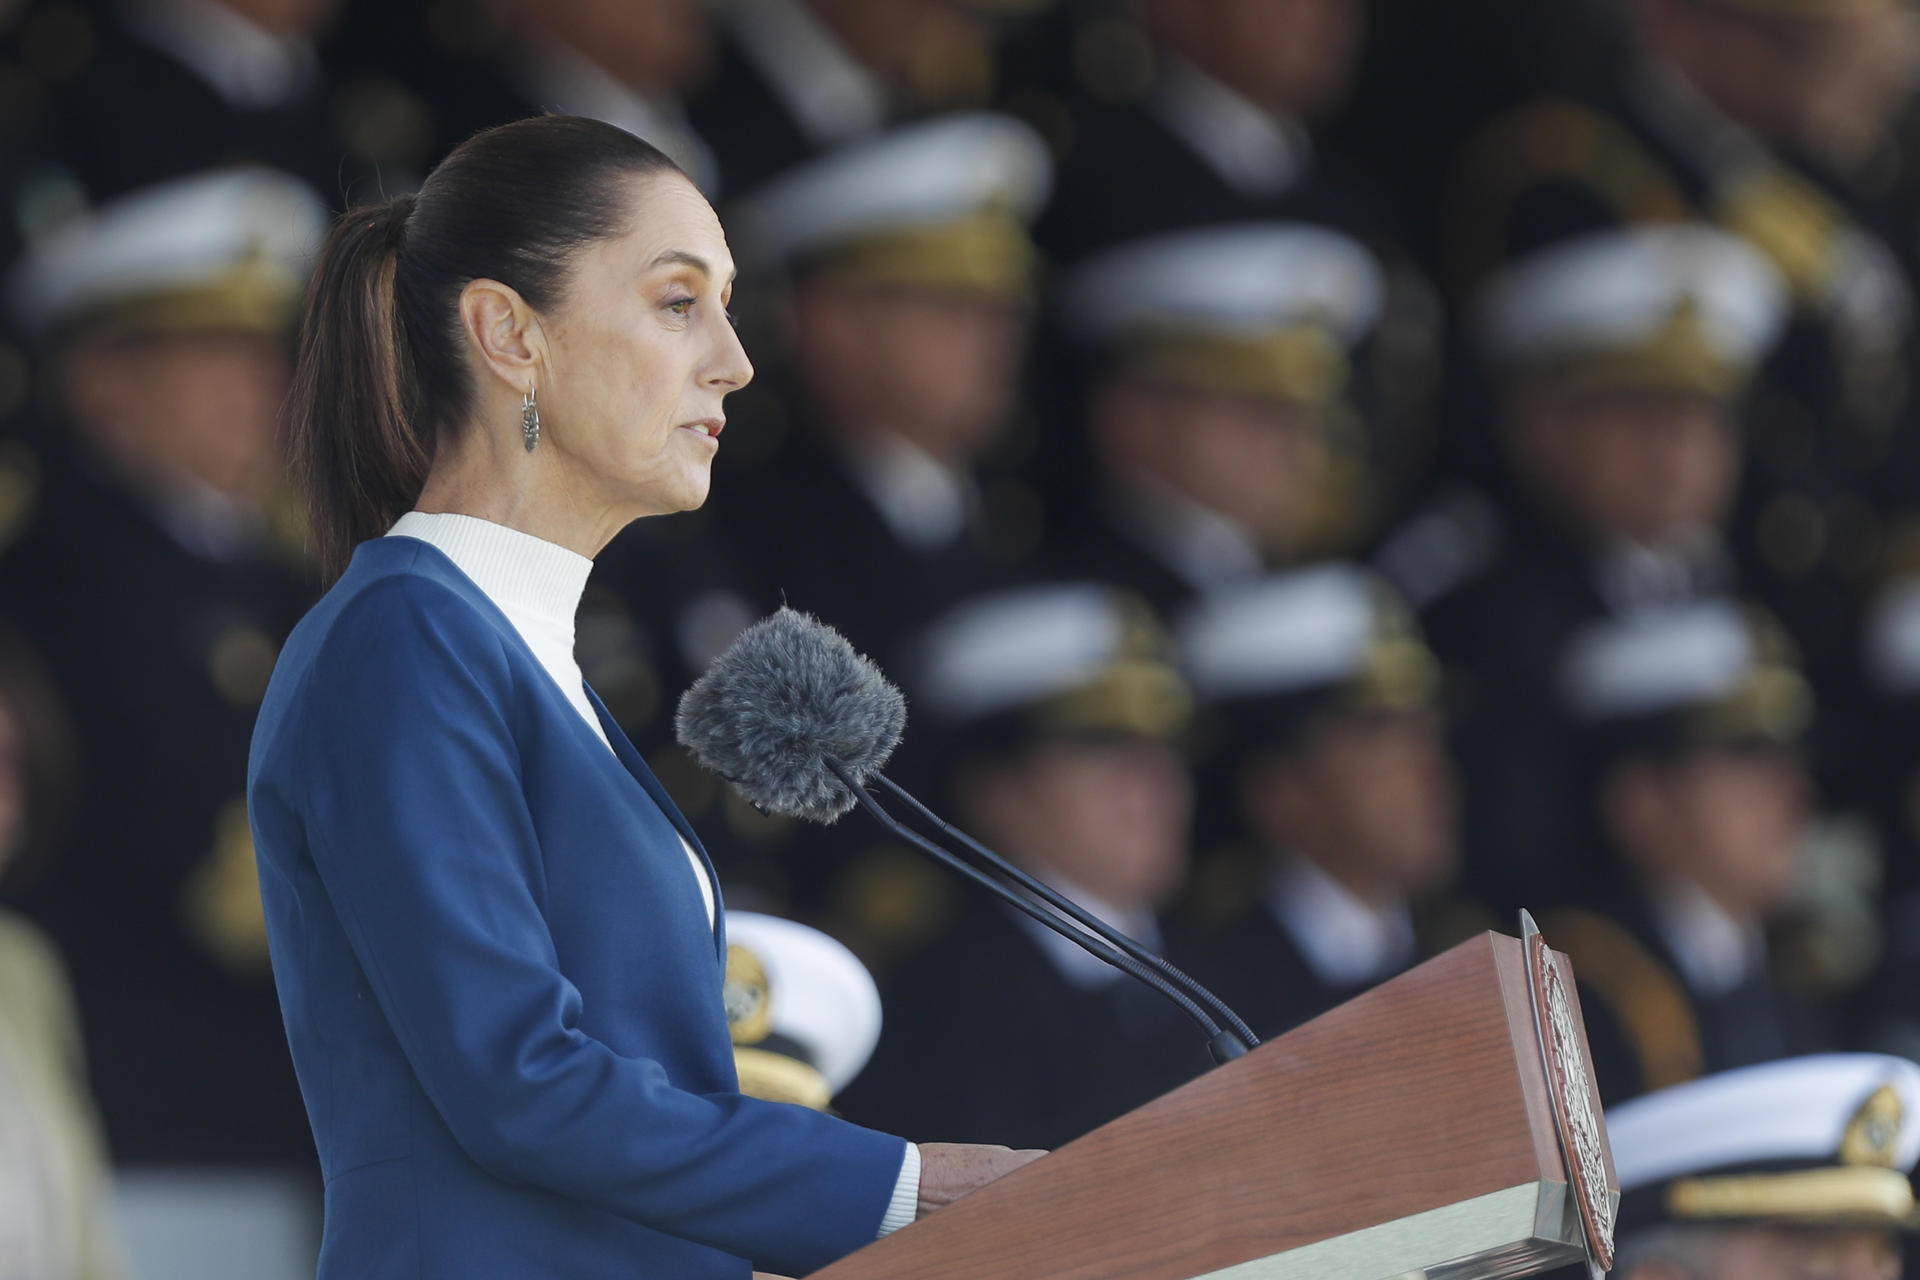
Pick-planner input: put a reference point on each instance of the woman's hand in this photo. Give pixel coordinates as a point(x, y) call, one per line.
point(949, 1170)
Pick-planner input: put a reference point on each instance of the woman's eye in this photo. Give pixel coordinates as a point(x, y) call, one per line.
point(680, 306)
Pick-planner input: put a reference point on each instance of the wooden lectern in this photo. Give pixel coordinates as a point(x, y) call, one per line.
point(1436, 1126)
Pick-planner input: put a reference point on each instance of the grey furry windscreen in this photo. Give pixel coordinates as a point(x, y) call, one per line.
point(789, 692)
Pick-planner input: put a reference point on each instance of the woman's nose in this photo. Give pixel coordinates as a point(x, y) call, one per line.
point(731, 369)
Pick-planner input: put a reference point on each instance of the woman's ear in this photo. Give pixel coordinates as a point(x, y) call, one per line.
point(505, 332)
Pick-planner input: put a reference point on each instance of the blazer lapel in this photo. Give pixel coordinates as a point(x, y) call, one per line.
point(624, 749)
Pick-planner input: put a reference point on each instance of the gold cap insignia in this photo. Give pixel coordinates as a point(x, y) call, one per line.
point(1773, 703)
point(747, 996)
point(1874, 1130)
point(1139, 692)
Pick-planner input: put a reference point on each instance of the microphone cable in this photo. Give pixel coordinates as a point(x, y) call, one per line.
point(1224, 1046)
point(1060, 902)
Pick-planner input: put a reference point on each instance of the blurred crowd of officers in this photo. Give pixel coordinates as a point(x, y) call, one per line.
point(1326, 473)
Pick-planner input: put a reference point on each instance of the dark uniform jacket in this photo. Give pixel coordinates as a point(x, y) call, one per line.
point(1257, 968)
point(667, 595)
point(753, 133)
point(1256, 965)
point(819, 544)
point(1100, 546)
point(1647, 1029)
point(1530, 830)
point(986, 1041)
point(131, 114)
point(161, 655)
point(1128, 174)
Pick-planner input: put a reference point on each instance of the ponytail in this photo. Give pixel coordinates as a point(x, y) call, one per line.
point(356, 452)
point(381, 372)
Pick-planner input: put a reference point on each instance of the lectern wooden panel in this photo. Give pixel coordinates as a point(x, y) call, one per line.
point(1410, 1130)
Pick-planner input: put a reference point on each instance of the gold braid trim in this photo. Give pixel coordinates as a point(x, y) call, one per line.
point(1836, 1196)
point(1548, 140)
point(778, 1078)
point(1645, 995)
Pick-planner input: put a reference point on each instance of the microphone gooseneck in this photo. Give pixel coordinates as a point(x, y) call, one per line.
point(1061, 902)
point(1224, 1045)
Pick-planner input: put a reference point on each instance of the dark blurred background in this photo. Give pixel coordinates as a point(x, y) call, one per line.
point(1328, 474)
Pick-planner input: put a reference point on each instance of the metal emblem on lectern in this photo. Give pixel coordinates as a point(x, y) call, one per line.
point(1568, 1088)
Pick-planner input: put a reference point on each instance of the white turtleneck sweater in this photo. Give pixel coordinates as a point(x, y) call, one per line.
point(538, 584)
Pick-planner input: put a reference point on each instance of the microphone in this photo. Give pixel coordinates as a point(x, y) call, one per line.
point(800, 723)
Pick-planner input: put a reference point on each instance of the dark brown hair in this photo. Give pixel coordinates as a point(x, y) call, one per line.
point(379, 373)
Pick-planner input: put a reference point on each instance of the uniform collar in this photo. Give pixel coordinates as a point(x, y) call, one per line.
point(247, 65)
point(1071, 961)
point(924, 501)
point(1714, 951)
point(1344, 940)
point(1686, 566)
point(831, 96)
point(1202, 547)
point(1254, 151)
point(557, 76)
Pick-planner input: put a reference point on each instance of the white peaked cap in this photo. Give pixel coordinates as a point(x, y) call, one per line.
point(820, 996)
point(1794, 1111)
point(1616, 288)
point(930, 172)
point(1017, 647)
point(174, 235)
point(1294, 631)
point(1239, 278)
point(1659, 659)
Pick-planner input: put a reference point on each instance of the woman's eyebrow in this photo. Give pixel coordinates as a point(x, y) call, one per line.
point(684, 258)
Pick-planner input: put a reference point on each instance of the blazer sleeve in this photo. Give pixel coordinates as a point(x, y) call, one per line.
point(421, 834)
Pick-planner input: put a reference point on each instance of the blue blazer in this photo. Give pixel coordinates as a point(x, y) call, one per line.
point(498, 979)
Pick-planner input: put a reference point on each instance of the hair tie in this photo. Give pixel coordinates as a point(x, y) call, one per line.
point(399, 210)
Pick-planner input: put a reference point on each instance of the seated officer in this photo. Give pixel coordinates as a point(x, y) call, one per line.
point(1065, 711)
point(1794, 1170)
point(1740, 113)
point(1693, 718)
point(1341, 781)
point(803, 1011)
point(912, 281)
point(156, 575)
point(1218, 413)
point(1620, 360)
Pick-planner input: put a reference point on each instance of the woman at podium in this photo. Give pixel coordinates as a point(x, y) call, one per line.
point(497, 942)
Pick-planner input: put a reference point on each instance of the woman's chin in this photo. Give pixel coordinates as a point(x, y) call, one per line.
point(691, 495)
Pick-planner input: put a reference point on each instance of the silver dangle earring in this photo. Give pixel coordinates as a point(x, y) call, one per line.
point(530, 419)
